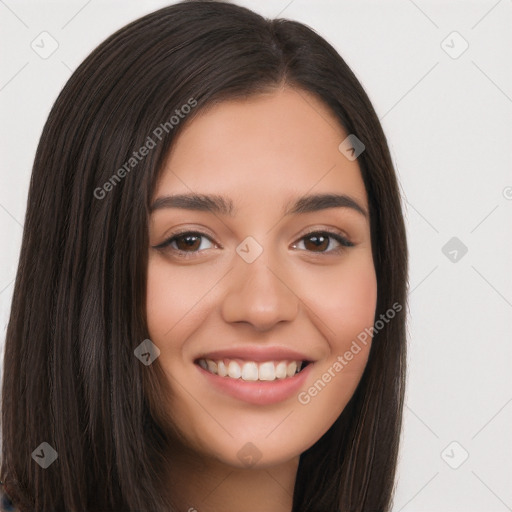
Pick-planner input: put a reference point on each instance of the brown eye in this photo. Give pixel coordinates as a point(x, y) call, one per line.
point(185, 243)
point(189, 243)
point(317, 241)
point(320, 241)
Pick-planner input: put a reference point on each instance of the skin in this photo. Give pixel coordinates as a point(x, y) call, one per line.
point(266, 150)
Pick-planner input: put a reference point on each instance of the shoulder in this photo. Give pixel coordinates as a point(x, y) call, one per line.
point(5, 502)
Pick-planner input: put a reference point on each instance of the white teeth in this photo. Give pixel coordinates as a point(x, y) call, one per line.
point(221, 368)
point(281, 370)
point(251, 370)
point(212, 366)
point(292, 368)
point(234, 370)
point(267, 371)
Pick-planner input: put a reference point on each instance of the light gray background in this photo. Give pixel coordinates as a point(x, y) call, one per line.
point(448, 123)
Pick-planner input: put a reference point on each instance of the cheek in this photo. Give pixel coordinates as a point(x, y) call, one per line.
point(344, 300)
point(346, 309)
point(173, 298)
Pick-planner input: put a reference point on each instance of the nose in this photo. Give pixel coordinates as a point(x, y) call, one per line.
point(259, 295)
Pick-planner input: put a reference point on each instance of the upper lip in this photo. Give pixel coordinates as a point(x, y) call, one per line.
point(259, 354)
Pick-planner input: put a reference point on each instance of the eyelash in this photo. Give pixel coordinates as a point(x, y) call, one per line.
point(165, 246)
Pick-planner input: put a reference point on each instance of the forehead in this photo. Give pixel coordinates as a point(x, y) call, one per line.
point(270, 147)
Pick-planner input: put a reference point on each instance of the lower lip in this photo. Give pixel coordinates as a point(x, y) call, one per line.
point(259, 392)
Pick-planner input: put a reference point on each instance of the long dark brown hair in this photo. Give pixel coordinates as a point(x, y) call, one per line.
point(70, 376)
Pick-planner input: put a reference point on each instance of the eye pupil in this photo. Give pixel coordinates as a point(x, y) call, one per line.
point(190, 241)
point(318, 241)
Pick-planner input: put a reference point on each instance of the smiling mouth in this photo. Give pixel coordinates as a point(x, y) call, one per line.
point(252, 370)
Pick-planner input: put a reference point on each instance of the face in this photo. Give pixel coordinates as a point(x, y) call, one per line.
point(260, 277)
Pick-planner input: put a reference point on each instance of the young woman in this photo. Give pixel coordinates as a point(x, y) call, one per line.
point(209, 310)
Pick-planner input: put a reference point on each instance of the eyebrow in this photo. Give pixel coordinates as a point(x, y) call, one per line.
point(224, 206)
